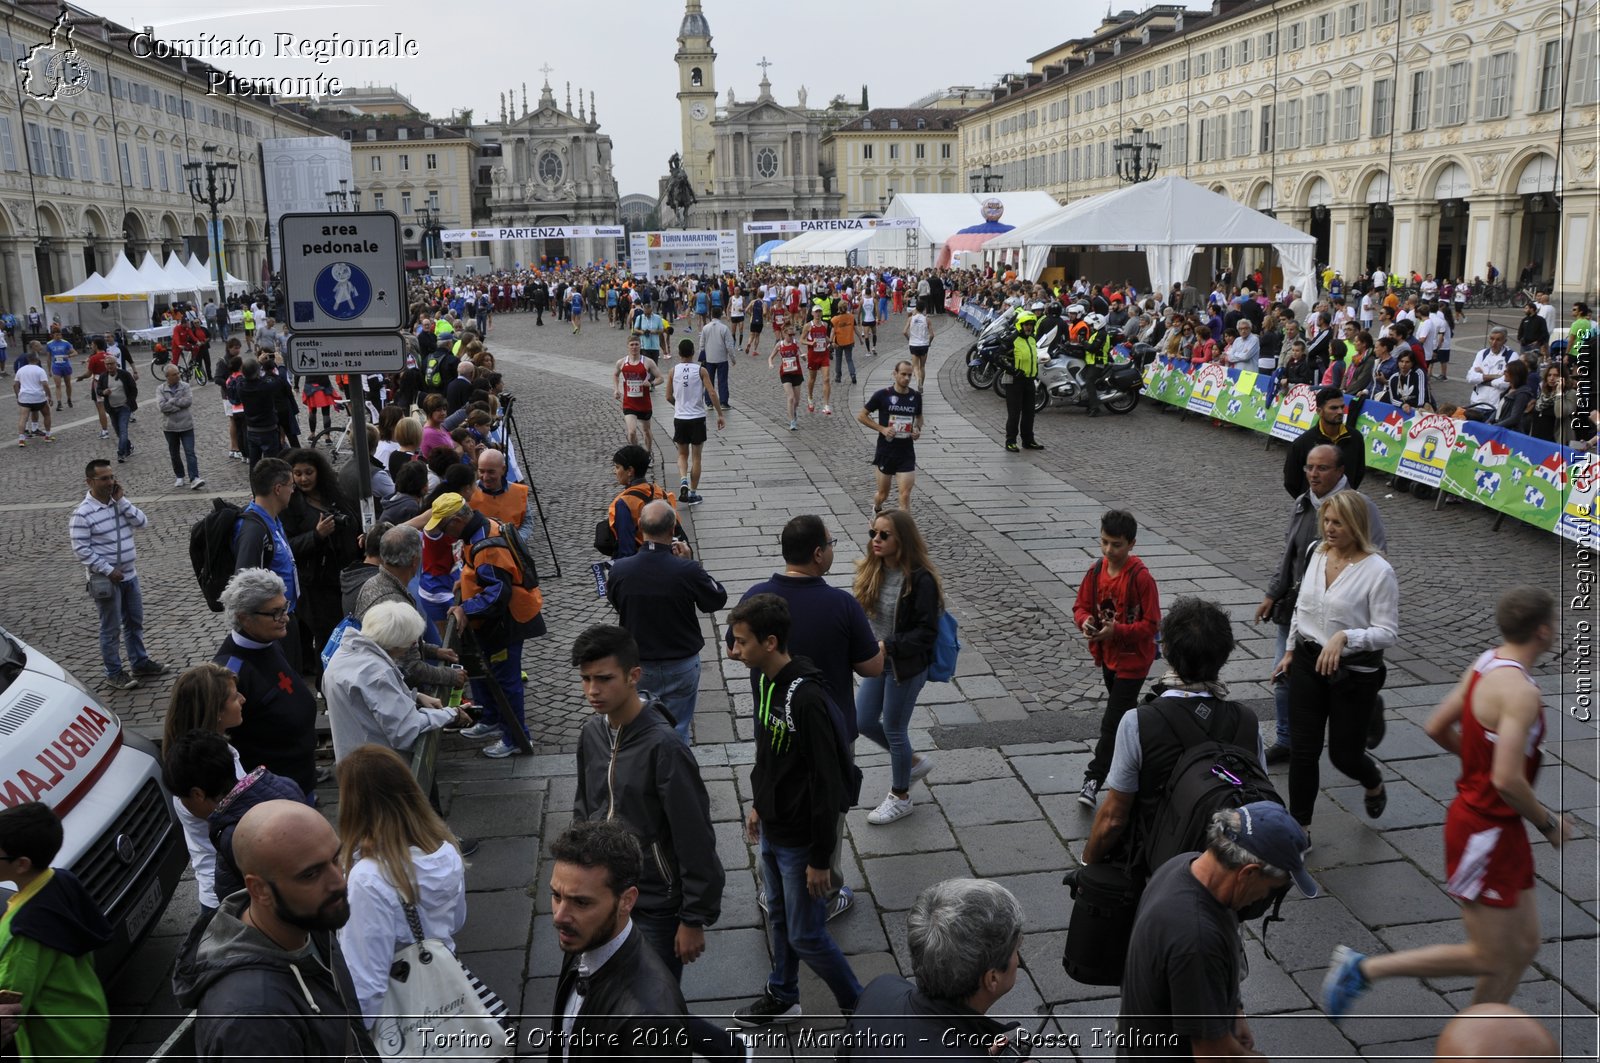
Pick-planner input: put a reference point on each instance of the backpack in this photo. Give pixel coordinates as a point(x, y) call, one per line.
point(211, 548)
point(842, 742)
point(527, 570)
point(1212, 772)
point(605, 533)
point(946, 650)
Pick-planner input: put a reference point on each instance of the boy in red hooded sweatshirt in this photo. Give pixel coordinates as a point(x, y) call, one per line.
point(1119, 612)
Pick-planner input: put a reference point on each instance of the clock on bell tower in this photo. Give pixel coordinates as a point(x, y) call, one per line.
point(697, 95)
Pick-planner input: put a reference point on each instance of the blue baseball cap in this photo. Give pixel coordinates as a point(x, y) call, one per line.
point(1268, 831)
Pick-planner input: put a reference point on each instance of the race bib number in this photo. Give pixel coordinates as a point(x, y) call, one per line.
point(901, 423)
point(789, 363)
point(635, 389)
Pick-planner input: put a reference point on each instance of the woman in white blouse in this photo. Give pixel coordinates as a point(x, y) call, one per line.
point(1347, 613)
point(396, 852)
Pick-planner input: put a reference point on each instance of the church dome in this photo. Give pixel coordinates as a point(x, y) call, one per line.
point(694, 22)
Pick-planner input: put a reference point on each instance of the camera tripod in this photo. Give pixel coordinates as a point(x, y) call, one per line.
point(512, 432)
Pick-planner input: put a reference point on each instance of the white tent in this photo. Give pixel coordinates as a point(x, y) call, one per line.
point(158, 283)
point(95, 289)
point(822, 248)
point(944, 214)
point(207, 281)
point(1169, 219)
point(102, 303)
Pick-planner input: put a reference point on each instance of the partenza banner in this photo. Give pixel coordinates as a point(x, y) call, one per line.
point(830, 225)
point(532, 232)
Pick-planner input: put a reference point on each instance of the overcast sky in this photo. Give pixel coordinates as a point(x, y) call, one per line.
point(622, 51)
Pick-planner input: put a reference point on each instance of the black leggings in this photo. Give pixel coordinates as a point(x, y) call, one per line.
point(1340, 705)
point(1121, 695)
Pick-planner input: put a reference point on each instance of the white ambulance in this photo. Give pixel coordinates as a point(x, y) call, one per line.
point(59, 745)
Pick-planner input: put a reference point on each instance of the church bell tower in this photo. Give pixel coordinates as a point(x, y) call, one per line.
point(697, 96)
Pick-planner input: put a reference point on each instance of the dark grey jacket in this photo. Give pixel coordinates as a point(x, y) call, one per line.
point(1303, 526)
point(650, 781)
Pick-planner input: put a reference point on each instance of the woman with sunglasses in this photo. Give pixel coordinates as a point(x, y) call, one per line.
point(899, 587)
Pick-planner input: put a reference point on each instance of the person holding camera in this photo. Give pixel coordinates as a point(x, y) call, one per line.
point(101, 529)
point(321, 526)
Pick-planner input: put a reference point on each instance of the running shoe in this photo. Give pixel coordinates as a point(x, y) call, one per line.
point(827, 410)
point(105, 434)
point(1013, 448)
point(121, 681)
point(841, 902)
point(151, 667)
point(767, 1009)
point(1089, 794)
point(22, 441)
point(1344, 983)
point(920, 767)
point(198, 483)
point(58, 405)
point(499, 750)
point(479, 731)
point(794, 426)
point(48, 438)
point(811, 407)
point(178, 481)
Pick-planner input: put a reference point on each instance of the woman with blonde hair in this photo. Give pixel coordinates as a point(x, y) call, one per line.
point(396, 853)
point(1347, 613)
point(204, 698)
point(899, 587)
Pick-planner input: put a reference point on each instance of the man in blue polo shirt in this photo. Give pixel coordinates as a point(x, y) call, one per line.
point(830, 629)
point(260, 542)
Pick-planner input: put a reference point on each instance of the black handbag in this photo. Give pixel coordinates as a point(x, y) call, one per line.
point(1105, 900)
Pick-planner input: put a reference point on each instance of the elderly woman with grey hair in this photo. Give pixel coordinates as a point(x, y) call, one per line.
point(280, 730)
point(965, 936)
point(368, 700)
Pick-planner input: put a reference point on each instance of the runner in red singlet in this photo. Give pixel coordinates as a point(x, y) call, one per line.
point(631, 382)
point(1494, 720)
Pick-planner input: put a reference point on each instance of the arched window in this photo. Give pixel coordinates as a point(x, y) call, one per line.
point(695, 77)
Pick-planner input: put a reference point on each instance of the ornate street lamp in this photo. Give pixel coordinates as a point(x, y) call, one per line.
point(1138, 157)
point(425, 221)
point(985, 180)
point(214, 183)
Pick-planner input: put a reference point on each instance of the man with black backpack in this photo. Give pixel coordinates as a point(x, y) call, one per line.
point(1178, 758)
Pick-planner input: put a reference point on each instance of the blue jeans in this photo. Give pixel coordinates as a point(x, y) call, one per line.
point(677, 684)
point(883, 713)
point(505, 664)
point(122, 614)
point(119, 421)
point(841, 355)
point(719, 377)
point(1280, 689)
point(797, 929)
point(187, 440)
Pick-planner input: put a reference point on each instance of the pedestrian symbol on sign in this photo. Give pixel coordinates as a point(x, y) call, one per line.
point(307, 362)
point(343, 291)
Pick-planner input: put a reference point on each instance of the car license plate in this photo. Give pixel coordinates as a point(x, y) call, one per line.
point(144, 909)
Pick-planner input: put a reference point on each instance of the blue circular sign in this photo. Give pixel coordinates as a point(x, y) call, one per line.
point(343, 291)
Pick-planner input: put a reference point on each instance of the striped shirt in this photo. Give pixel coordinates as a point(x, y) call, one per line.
point(102, 535)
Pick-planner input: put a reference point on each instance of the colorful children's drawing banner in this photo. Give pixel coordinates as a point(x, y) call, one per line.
point(1540, 483)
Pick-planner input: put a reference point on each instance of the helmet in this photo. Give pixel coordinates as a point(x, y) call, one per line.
point(1037, 308)
point(1026, 318)
point(1075, 310)
point(1095, 321)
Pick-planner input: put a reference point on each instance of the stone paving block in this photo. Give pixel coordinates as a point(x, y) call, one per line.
point(1088, 1029)
point(1301, 1035)
point(1392, 1011)
point(1571, 868)
point(1435, 776)
point(1568, 1018)
point(725, 806)
point(1071, 820)
point(894, 928)
point(1311, 930)
point(1044, 899)
point(941, 694)
point(1580, 753)
point(496, 919)
point(1012, 848)
point(735, 964)
point(925, 830)
point(1417, 935)
point(817, 1000)
point(739, 908)
point(1032, 749)
point(1394, 1051)
point(1572, 963)
point(954, 714)
point(504, 864)
point(1380, 894)
point(1041, 955)
point(1423, 846)
point(895, 881)
point(544, 952)
point(981, 686)
point(1562, 788)
point(538, 1001)
point(860, 929)
point(496, 815)
point(1408, 806)
point(731, 848)
point(964, 765)
point(999, 710)
point(1404, 740)
point(499, 969)
point(1342, 840)
point(1053, 774)
point(1559, 918)
point(993, 801)
point(1267, 987)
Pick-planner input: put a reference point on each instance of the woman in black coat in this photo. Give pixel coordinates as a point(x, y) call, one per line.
point(322, 527)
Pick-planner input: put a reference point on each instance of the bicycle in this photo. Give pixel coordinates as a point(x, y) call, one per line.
point(191, 367)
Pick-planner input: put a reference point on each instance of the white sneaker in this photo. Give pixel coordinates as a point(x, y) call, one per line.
point(499, 750)
point(893, 808)
point(104, 434)
point(479, 731)
point(920, 767)
point(197, 484)
point(178, 481)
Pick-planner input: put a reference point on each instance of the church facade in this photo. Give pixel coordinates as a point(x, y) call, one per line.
point(552, 167)
point(750, 160)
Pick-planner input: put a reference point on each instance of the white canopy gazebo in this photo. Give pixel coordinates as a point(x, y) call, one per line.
point(1169, 219)
point(819, 248)
point(208, 282)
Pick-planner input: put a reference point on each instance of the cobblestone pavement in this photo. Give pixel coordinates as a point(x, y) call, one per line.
point(1013, 535)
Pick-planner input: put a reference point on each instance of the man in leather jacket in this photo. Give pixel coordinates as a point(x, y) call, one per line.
point(615, 999)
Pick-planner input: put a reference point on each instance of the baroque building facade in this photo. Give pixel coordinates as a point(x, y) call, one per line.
point(1428, 135)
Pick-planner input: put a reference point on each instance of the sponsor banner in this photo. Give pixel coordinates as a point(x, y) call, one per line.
point(830, 225)
point(1209, 382)
point(687, 239)
point(1542, 484)
point(532, 232)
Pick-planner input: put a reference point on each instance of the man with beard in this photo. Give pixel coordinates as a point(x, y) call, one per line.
point(614, 992)
point(266, 976)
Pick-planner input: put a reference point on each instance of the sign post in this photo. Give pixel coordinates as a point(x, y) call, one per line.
point(344, 286)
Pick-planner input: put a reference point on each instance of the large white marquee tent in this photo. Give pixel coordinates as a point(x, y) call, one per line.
point(1170, 219)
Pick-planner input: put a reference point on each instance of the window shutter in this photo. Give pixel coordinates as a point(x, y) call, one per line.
point(1481, 87)
point(1511, 84)
point(1438, 97)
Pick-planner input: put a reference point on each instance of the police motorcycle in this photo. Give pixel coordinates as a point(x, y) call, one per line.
point(1062, 367)
point(990, 355)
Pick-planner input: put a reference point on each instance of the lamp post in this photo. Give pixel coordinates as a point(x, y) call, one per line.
point(214, 183)
point(425, 220)
point(339, 198)
point(1138, 157)
point(985, 180)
